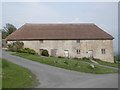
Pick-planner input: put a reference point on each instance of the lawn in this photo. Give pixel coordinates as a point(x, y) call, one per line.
point(70, 64)
point(83, 60)
point(15, 76)
point(107, 63)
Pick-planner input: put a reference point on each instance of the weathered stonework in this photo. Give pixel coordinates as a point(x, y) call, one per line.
point(72, 46)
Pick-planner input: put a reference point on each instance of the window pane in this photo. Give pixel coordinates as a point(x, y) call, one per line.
point(103, 51)
point(79, 51)
point(78, 41)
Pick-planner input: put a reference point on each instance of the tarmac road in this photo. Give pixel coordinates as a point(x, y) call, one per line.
point(54, 77)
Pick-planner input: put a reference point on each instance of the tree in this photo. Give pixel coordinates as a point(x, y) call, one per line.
point(7, 30)
point(4, 34)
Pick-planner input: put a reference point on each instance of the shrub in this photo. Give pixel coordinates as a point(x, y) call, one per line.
point(84, 58)
point(15, 46)
point(45, 53)
point(116, 59)
point(27, 50)
point(76, 58)
point(60, 57)
point(96, 59)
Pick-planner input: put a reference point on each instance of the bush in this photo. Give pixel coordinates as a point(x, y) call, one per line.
point(27, 50)
point(116, 59)
point(60, 57)
point(45, 53)
point(15, 46)
point(96, 59)
point(84, 58)
point(76, 58)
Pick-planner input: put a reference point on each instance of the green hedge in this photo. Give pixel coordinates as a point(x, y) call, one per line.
point(27, 50)
point(85, 58)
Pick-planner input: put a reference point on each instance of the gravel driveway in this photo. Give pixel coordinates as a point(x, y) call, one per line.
point(54, 77)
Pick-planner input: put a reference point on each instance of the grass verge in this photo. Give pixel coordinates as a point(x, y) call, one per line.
point(15, 76)
point(107, 63)
point(67, 64)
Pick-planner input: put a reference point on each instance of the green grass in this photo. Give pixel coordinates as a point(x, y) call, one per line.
point(14, 76)
point(107, 63)
point(83, 60)
point(67, 64)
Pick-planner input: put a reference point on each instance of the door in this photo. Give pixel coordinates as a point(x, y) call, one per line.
point(90, 54)
point(66, 53)
point(53, 52)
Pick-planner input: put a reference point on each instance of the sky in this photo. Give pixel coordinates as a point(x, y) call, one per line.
point(103, 14)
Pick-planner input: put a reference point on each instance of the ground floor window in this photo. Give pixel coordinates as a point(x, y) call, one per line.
point(78, 51)
point(103, 51)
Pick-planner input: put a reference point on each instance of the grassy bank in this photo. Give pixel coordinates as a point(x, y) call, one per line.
point(107, 63)
point(70, 64)
point(14, 76)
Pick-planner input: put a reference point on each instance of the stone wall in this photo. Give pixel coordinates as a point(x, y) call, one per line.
point(72, 46)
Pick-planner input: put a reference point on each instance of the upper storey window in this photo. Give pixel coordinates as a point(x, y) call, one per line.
point(78, 41)
point(41, 41)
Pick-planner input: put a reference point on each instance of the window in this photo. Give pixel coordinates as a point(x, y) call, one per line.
point(103, 51)
point(78, 51)
point(78, 41)
point(41, 41)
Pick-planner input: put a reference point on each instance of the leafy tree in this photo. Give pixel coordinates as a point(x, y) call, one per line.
point(7, 30)
point(4, 34)
point(15, 46)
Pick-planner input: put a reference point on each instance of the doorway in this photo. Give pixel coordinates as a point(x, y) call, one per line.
point(53, 52)
point(66, 53)
point(90, 54)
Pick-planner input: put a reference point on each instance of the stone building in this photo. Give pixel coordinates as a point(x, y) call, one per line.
point(66, 40)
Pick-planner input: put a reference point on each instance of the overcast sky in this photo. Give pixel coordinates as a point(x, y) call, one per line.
point(103, 14)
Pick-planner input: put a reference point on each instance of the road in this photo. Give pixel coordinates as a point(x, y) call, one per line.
point(53, 77)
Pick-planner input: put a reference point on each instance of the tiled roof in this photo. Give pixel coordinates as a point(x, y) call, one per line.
point(59, 31)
